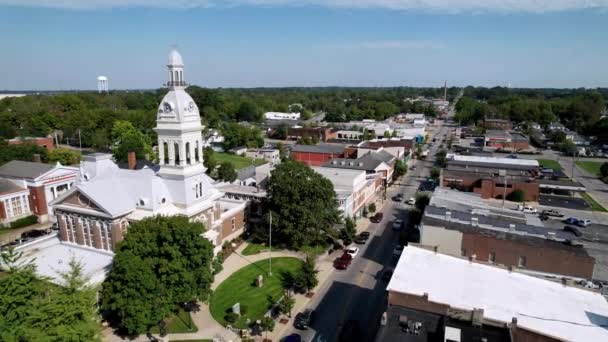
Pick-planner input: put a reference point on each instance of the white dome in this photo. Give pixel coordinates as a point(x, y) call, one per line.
point(102, 78)
point(178, 106)
point(175, 58)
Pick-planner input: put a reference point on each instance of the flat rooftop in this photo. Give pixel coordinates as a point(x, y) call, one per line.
point(493, 160)
point(542, 306)
point(52, 258)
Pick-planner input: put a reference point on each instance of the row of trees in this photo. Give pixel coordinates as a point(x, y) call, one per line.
point(578, 109)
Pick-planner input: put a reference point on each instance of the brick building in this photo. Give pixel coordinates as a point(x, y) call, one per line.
point(316, 155)
point(43, 183)
point(321, 133)
point(437, 297)
point(500, 124)
point(492, 177)
point(506, 140)
point(46, 142)
point(462, 225)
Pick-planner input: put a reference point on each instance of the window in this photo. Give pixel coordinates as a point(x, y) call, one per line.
point(87, 228)
point(492, 257)
point(165, 155)
point(7, 207)
point(196, 148)
point(16, 204)
point(71, 227)
point(106, 235)
point(26, 204)
point(522, 262)
point(188, 157)
point(233, 220)
point(177, 156)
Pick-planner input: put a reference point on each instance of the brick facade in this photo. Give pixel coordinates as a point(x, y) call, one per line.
point(38, 200)
point(492, 188)
point(539, 257)
point(228, 226)
point(323, 134)
point(314, 158)
point(47, 143)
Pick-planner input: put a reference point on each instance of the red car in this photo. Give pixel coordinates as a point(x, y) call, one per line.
point(342, 262)
point(376, 218)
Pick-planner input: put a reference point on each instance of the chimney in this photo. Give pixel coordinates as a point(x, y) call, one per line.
point(132, 158)
point(37, 158)
point(514, 321)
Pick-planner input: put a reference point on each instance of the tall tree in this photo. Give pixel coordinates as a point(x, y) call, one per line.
point(65, 156)
point(126, 138)
point(303, 204)
point(226, 172)
point(162, 263)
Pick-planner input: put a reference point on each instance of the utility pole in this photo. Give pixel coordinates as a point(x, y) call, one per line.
point(270, 246)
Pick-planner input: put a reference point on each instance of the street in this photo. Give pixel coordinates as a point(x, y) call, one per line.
point(358, 293)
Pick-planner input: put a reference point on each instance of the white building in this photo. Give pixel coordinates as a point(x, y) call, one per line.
point(268, 154)
point(281, 116)
point(353, 188)
point(465, 295)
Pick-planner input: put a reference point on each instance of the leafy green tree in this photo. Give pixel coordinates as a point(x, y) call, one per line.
point(440, 158)
point(387, 134)
point(306, 278)
point(249, 111)
point(282, 152)
point(517, 195)
point(604, 170)
point(209, 160)
point(267, 323)
point(348, 231)
point(126, 138)
point(400, 169)
point(422, 200)
point(240, 135)
point(226, 172)
point(372, 208)
point(303, 204)
point(285, 305)
point(23, 152)
point(435, 173)
point(65, 156)
point(162, 263)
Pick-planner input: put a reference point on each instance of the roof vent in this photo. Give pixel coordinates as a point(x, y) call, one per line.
point(474, 221)
point(342, 162)
point(511, 226)
point(360, 164)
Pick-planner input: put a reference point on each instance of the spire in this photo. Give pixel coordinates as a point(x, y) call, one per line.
point(175, 65)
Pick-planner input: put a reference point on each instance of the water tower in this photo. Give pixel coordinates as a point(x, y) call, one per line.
point(102, 84)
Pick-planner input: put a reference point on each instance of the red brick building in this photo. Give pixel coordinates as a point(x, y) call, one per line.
point(316, 155)
point(490, 186)
point(500, 124)
point(47, 142)
point(506, 140)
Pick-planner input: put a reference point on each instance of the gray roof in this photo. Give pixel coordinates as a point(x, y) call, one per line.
point(246, 172)
point(24, 169)
point(320, 148)
point(7, 187)
point(369, 161)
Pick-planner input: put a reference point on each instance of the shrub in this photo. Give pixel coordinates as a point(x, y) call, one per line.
point(231, 317)
point(372, 208)
point(517, 196)
point(244, 309)
point(26, 221)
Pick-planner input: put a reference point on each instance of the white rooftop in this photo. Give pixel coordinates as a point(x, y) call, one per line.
point(494, 160)
point(539, 305)
point(52, 258)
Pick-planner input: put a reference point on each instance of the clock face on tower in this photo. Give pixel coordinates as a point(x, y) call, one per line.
point(191, 106)
point(167, 107)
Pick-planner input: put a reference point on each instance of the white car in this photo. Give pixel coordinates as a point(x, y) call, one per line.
point(527, 209)
point(583, 222)
point(411, 201)
point(352, 251)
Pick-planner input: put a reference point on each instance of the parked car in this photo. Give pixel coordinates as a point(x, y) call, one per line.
point(527, 209)
point(398, 198)
point(571, 220)
point(397, 224)
point(397, 251)
point(411, 201)
point(583, 222)
point(573, 230)
point(512, 156)
point(552, 212)
point(413, 167)
point(386, 276)
point(304, 319)
point(377, 218)
point(362, 238)
point(343, 262)
point(352, 251)
point(33, 234)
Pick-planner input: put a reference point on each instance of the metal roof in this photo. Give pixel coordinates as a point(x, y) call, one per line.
point(7, 187)
point(24, 169)
point(320, 148)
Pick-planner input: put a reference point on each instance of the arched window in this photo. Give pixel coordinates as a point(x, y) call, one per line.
point(177, 156)
point(181, 76)
point(176, 76)
point(196, 158)
point(188, 153)
point(165, 155)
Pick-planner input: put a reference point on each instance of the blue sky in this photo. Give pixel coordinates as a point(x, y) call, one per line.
point(65, 44)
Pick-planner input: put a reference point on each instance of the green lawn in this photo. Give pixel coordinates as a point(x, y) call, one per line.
point(595, 206)
point(590, 166)
point(180, 323)
point(254, 248)
point(552, 164)
point(238, 161)
point(240, 288)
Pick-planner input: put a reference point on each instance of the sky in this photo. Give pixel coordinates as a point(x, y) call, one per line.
point(66, 44)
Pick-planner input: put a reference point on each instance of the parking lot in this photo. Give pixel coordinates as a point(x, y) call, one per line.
point(563, 202)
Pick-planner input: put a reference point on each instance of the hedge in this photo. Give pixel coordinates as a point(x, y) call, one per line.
point(23, 222)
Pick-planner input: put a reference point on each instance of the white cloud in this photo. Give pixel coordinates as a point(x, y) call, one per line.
point(535, 6)
point(389, 44)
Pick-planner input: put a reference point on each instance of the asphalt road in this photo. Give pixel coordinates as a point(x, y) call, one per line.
point(358, 293)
